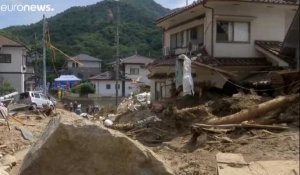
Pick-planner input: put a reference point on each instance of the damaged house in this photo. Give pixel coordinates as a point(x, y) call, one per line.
point(228, 41)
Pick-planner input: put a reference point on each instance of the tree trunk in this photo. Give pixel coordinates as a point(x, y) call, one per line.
point(255, 111)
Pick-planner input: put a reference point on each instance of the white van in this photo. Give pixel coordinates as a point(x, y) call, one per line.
point(36, 99)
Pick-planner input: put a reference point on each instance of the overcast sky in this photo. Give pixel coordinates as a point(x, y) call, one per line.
point(15, 17)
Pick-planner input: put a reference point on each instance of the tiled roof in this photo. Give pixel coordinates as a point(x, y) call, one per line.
point(108, 75)
point(274, 47)
point(4, 41)
point(218, 61)
point(234, 61)
point(84, 57)
point(161, 75)
point(200, 2)
point(164, 62)
point(137, 59)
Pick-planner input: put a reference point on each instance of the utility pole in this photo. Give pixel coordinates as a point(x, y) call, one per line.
point(118, 54)
point(44, 56)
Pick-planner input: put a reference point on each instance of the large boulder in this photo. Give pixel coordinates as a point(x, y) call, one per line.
point(82, 148)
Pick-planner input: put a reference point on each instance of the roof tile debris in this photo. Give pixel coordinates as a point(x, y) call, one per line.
point(274, 47)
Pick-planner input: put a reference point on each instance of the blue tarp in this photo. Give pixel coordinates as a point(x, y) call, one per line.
point(66, 81)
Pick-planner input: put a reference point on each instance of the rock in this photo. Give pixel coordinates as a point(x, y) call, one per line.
point(8, 160)
point(2, 172)
point(82, 148)
point(5, 168)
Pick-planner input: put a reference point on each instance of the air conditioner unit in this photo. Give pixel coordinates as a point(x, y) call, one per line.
point(23, 68)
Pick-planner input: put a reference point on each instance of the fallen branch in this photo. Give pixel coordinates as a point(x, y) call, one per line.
point(255, 111)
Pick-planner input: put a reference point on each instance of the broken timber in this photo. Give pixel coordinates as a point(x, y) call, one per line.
point(255, 111)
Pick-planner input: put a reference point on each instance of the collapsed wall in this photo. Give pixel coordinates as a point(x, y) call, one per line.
point(79, 147)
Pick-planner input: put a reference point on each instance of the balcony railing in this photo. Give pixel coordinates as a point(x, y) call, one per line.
point(183, 50)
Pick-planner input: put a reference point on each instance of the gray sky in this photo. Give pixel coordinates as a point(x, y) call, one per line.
point(10, 14)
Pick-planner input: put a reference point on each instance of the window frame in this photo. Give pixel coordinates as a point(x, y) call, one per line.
point(7, 59)
point(133, 72)
point(232, 22)
point(108, 86)
point(175, 37)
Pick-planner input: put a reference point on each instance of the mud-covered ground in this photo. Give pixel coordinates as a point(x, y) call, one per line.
point(171, 138)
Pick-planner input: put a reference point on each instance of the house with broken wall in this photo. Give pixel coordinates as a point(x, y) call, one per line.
point(15, 65)
point(239, 37)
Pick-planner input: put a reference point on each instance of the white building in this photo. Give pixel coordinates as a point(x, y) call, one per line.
point(87, 67)
point(135, 68)
point(105, 85)
point(235, 35)
point(13, 63)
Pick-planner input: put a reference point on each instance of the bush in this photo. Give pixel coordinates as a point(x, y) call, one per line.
point(83, 89)
point(6, 88)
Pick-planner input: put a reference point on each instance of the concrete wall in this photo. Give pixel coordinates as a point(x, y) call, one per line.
point(143, 72)
point(209, 77)
point(101, 90)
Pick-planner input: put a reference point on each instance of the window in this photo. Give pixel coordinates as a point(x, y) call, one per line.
point(233, 31)
point(134, 71)
point(36, 95)
point(74, 64)
point(173, 41)
point(5, 58)
point(43, 97)
point(129, 87)
point(108, 86)
point(118, 86)
point(194, 33)
point(177, 40)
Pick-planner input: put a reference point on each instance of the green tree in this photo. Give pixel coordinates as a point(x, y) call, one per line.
point(83, 89)
point(6, 88)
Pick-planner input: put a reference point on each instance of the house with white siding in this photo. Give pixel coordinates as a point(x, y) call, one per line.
point(105, 85)
point(13, 63)
point(135, 68)
point(239, 36)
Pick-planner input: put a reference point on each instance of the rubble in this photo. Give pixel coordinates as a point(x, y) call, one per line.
point(178, 130)
point(133, 102)
point(85, 148)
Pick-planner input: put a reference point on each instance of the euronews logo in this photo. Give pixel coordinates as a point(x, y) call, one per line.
point(26, 8)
